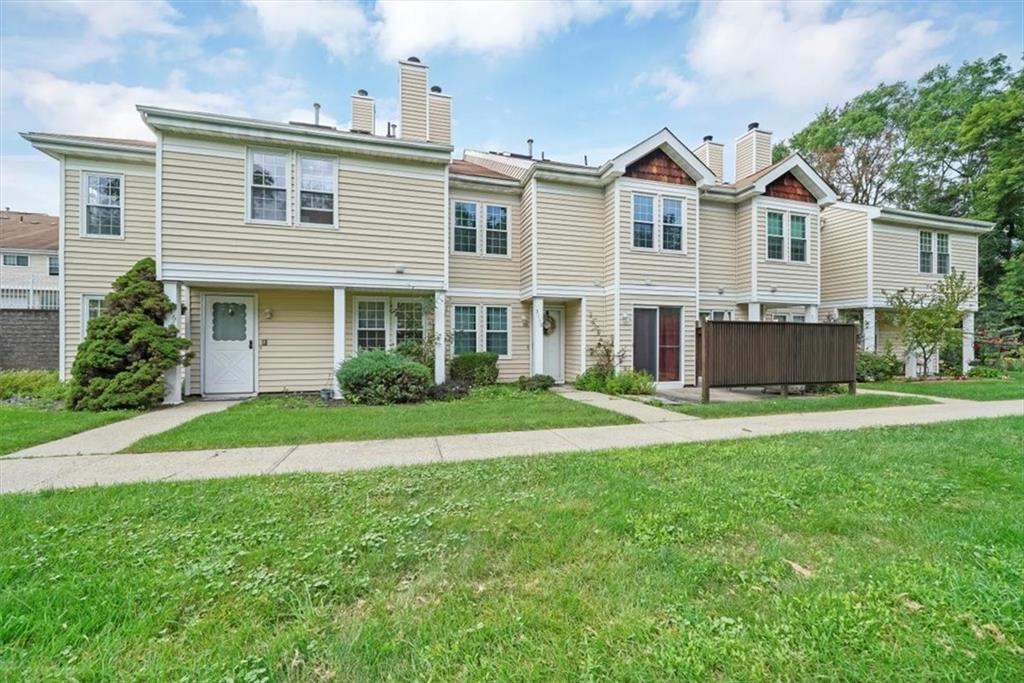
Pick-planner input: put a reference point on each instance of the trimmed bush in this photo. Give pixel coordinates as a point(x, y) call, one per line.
point(535, 383)
point(126, 351)
point(985, 372)
point(448, 391)
point(592, 379)
point(475, 368)
point(383, 377)
point(420, 351)
point(630, 382)
point(43, 385)
point(877, 367)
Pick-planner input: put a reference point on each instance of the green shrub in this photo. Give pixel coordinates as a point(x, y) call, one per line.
point(449, 391)
point(985, 372)
point(475, 368)
point(420, 351)
point(535, 383)
point(877, 367)
point(383, 377)
point(41, 384)
point(126, 351)
point(630, 382)
point(592, 379)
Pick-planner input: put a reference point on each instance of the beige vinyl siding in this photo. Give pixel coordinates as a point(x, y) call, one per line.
point(887, 336)
point(655, 267)
point(205, 220)
point(412, 101)
point(481, 270)
point(440, 119)
point(762, 150)
point(718, 258)
point(896, 260)
point(798, 278)
point(299, 337)
point(573, 329)
point(608, 235)
point(518, 362)
point(689, 316)
point(195, 331)
point(526, 255)
point(844, 255)
point(37, 271)
point(744, 156)
point(569, 224)
point(92, 264)
point(744, 213)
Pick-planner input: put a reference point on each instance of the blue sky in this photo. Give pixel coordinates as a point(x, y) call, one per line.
point(580, 78)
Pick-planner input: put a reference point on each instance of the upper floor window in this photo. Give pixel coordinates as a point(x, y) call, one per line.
point(776, 237)
point(465, 227)
point(942, 253)
point(643, 221)
point(924, 259)
point(797, 238)
point(103, 214)
point(316, 190)
point(464, 330)
point(671, 224)
point(54, 265)
point(497, 231)
point(268, 186)
point(20, 260)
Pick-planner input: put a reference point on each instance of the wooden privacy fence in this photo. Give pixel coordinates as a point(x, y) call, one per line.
point(751, 354)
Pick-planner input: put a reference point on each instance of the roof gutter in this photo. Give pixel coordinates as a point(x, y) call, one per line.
point(916, 218)
point(58, 146)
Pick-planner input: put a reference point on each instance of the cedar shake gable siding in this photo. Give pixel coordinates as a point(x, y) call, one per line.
point(788, 187)
point(659, 167)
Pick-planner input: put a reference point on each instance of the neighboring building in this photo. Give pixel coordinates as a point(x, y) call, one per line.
point(29, 260)
point(290, 247)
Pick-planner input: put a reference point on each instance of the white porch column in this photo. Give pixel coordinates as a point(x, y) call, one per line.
point(810, 314)
point(339, 338)
point(910, 365)
point(869, 330)
point(583, 335)
point(754, 312)
point(537, 337)
point(968, 341)
point(172, 379)
point(440, 362)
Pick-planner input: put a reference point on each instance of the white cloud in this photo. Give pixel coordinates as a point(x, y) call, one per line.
point(642, 10)
point(486, 28)
point(28, 182)
point(109, 18)
point(230, 62)
point(795, 53)
point(341, 27)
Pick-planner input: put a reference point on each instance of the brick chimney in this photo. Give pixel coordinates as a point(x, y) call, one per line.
point(711, 153)
point(363, 113)
point(439, 116)
point(412, 99)
point(753, 150)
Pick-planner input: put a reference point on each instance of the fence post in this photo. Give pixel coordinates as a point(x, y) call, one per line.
point(705, 379)
point(853, 388)
point(785, 391)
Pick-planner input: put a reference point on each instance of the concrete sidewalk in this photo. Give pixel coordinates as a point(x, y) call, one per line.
point(35, 473)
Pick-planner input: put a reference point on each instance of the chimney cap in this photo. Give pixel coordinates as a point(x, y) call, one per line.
point(753, 125)
point(414, 60)
point(435, 88)
point(709, 138)
point(362, 93)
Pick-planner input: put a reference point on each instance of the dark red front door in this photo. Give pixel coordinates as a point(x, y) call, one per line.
point(668, 344)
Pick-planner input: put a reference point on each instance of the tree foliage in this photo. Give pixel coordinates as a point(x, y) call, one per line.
point(927, 321)
point(128, 349)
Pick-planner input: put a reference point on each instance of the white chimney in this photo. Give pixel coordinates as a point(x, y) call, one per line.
point(753, 151)
point(363, 112)
point(439, 116)
point(711, 153)
point(412, 99)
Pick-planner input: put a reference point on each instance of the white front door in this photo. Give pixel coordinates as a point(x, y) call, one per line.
point(554, 338)
point(228, 345)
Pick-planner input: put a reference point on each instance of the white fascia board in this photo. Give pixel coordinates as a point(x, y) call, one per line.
point(932, 221)
point(58, 148)
point(805, 174)
point(468, 182)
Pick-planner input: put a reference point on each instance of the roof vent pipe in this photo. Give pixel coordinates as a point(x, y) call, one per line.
point(529, 147)
point(316, 113)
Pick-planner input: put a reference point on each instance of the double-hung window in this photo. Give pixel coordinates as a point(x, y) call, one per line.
point(797, 238)
point(465, 228)
point(671, 224)
point(20, 260)
point(496, 239)
point(371, 325)
point(776, 236)
point(924, 257)
point(408, 321)
point(316, 191)
point(643, 221)
point(102, 211)
point(92, 308)
point(464, 330)
point(496, 330)
point(268, 186)
point(942, 253)
point(54, 265)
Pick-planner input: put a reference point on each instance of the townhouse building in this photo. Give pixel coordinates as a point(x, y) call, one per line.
point(290, 247)
point(29, 260)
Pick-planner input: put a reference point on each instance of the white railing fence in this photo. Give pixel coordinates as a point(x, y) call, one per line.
point(29, 292)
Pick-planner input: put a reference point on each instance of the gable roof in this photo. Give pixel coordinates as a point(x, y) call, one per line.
point(30, 231)
point(666, 141)
point(795, 164)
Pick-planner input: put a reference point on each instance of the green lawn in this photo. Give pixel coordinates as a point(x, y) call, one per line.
point(882, 554)
point(21, 427)
point(810, 404)
point(277, 421)
point(969, 389)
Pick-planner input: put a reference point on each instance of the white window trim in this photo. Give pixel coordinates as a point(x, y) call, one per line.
point(84, 312)
point(289, 195)
point(83, 201)
point(935, 253)
point(709, 314)
point(481, 326)
point(28, 261)
point(298, 191)
point(655, 241)
point(481, 229)
point(390, 320)
point(934, 262)
point(658, 227)
point(787, 236)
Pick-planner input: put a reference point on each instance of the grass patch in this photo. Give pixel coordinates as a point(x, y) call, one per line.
point(811, 404)
point(21, 426)
point(274, 421)
point(968, 389)
point(880, 554)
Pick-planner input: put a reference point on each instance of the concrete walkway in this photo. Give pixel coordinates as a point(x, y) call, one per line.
point(635, 409)
point(35, 473)
point(114, 437)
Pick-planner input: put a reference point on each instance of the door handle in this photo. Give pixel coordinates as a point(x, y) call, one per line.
point(250, 343)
